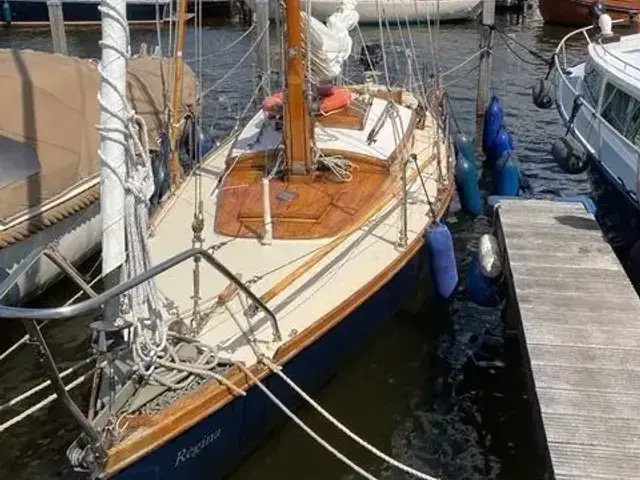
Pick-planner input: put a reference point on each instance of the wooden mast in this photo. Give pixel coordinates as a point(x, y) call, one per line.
point(298, 127)
point(175, 117)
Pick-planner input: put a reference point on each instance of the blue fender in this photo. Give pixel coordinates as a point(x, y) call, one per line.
point(507, 176)
point(464, 147)
point(493, 120)
point(466, 175)
point(444, 270)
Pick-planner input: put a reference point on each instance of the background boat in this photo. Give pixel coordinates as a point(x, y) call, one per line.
point(578, 12)
point(392, 10)
point(599, 101)
point(50, 188)
point(80, 12)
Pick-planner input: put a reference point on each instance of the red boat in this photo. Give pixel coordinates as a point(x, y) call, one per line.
point(578, 12)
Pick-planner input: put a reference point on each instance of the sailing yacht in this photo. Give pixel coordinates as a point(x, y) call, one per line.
point(393, 10)
point(268, 265)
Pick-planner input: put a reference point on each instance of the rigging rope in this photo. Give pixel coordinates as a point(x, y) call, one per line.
point(505, 37)
point(233, 69)
point(141, 304)
point(200, 57)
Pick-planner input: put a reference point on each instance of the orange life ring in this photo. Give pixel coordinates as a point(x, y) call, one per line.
point(333, 98)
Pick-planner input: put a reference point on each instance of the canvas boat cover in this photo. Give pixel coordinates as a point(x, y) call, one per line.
point(48, 136)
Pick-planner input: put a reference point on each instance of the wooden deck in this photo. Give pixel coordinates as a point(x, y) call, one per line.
point(580, 326)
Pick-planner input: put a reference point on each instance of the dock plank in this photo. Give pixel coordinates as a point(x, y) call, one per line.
point(581, 326)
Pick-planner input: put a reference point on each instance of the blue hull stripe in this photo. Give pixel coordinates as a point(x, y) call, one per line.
point(36, 12)
point(218, 444)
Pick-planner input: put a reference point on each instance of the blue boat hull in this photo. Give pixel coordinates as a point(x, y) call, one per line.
point(216, 446)
point(618, 214)
point(36, 12)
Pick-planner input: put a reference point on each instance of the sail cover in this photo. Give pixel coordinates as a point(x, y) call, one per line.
point(48, 135)
point(331, 44)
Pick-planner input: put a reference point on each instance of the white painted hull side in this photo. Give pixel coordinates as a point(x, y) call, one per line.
point(405, 10)
point(77, 237)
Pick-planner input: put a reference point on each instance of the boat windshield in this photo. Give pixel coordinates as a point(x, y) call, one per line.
point(622, 112)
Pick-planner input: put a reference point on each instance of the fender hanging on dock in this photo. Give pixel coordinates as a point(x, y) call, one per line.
point(493, 120)
point(507, 176)
point(481, 289)
point(484, 277)
point(502, 143)
point(444, 270)
point(466, 176)
point(464, 147)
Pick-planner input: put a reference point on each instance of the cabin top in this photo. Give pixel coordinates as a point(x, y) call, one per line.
point(261, 135)
point(620, 59)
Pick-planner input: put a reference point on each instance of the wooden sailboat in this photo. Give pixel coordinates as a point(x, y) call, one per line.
point(314, 218)
point(580, 12)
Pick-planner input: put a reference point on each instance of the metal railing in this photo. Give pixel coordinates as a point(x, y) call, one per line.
point(97, 301)
point(29, 317)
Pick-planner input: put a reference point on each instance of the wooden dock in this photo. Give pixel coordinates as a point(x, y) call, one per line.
point(580, 331)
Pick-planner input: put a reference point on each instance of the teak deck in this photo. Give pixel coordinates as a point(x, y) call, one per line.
point(580, 318)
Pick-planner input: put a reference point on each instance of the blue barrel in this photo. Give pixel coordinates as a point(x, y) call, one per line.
point(507, 176)
point(493, 120)
point(444, 271)
point(466, 176)
point(464, 147)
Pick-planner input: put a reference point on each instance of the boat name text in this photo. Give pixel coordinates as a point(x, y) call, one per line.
point(192, 451)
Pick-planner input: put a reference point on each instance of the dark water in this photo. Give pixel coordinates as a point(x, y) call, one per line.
point(441, 389)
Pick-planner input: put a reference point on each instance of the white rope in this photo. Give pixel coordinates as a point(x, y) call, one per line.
point(224, 49)
point(303, 425)
point(45, 384)
point(44, 403)
point(391, 461)
point(464, 62)
point(340, 166)
point(233, 69)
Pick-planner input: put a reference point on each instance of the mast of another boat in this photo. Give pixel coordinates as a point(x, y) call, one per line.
point(176, 100)
point(298, 124)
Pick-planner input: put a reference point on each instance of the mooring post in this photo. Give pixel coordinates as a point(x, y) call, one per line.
point(484, 75)
point(56, 21)
point(264, 59)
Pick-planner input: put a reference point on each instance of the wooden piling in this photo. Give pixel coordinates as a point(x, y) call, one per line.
point(484, 75)
point(264, 58)
point(56, 21)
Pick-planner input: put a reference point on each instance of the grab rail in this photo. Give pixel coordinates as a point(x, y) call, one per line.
point(76, 309)
point(561, 48)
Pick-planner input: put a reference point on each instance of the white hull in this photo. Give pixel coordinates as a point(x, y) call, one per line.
point(78, 236)
point(404, 10)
